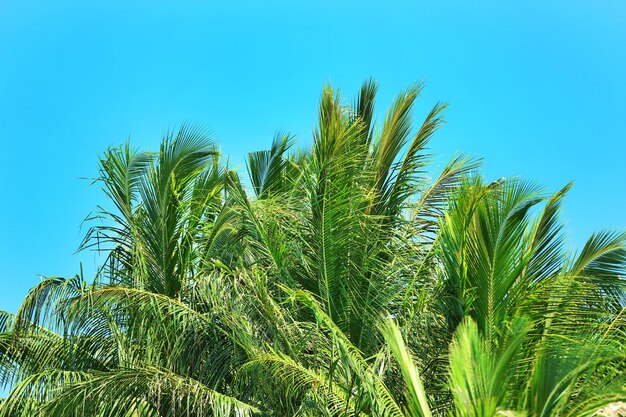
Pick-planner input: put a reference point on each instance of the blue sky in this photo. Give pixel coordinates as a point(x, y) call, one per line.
point(535, 88)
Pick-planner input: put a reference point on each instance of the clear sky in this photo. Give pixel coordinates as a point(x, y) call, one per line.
point(536, 88)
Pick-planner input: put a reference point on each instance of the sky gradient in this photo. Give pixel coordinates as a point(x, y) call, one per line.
point(536, 90)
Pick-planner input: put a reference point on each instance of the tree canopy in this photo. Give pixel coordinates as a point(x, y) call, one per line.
point(337, 280)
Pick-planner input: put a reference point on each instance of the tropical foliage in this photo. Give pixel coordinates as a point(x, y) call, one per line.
point(344, 282)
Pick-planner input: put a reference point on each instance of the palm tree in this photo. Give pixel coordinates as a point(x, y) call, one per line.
point(539, 332)
point(345, 283)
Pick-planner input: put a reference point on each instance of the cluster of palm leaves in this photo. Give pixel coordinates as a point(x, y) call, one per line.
point(344, 282)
